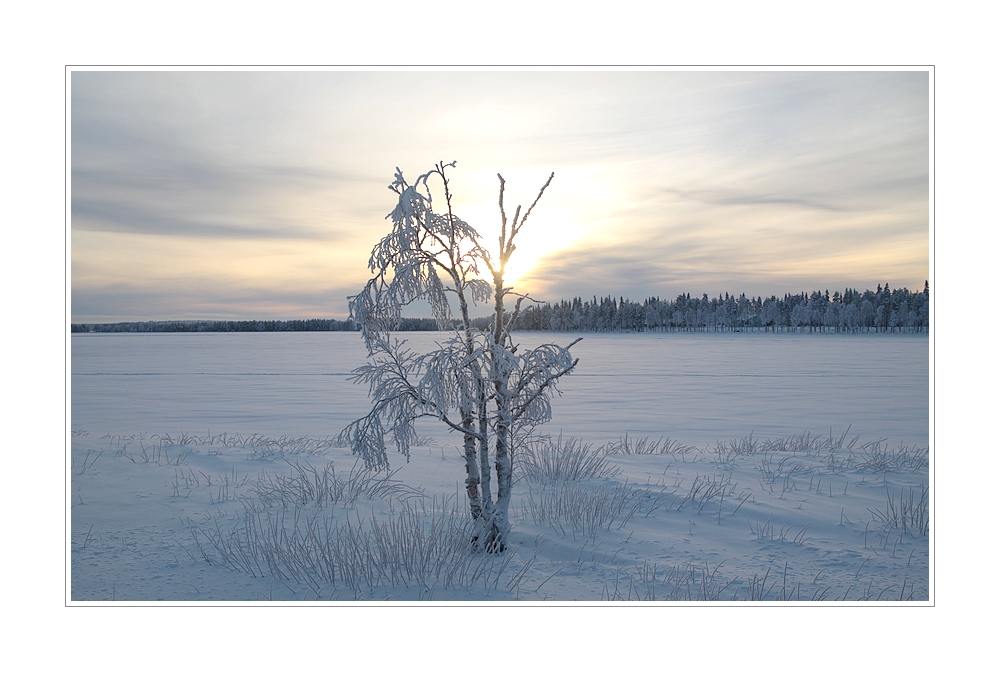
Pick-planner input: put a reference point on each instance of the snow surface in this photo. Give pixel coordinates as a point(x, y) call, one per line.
point(175, 433)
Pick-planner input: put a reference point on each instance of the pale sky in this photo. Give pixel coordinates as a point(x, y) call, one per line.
point(256, 195)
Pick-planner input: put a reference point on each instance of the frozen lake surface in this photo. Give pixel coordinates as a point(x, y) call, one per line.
point(157, 518)
point(694, 388)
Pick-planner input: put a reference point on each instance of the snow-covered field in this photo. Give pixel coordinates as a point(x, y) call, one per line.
point(791, 467)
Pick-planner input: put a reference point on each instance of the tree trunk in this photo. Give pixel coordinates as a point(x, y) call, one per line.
point(499, 520)
point(472, 478)
point(485, 536)
point(484, 459)
point(505, 483)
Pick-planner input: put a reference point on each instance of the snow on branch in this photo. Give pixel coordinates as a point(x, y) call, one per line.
point(475, 382)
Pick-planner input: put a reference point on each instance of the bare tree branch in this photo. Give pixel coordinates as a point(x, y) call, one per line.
point(473, 379)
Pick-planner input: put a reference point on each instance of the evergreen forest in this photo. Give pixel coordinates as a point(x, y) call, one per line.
point(881, 310)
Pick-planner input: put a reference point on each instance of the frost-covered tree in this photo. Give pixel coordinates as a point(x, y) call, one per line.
point(476, 383)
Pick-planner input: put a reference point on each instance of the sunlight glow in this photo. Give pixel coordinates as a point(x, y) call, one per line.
point(558, 233)
point(188, 192)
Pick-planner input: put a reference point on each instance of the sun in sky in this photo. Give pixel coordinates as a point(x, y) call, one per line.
point(250, 194)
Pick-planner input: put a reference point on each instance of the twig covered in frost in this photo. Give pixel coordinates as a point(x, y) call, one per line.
point(476, 382)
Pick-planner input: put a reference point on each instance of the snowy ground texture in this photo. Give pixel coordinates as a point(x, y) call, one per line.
point(234, 519)
point(249, 515)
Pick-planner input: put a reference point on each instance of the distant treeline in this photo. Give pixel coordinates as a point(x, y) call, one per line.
point(881, 310)
point(212, 326)
point(237, 326)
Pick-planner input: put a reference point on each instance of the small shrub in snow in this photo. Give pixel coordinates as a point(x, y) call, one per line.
point(646, 446)
point(805, 444)
point(424, 547)
point(876, 458)
point(680, 583)
point(711, 490)
point(545, 459)
point(909, 512)
point(323, 487)
point(584, 509)
point(258, 446)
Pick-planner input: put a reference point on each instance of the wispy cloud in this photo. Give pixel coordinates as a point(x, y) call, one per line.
point(273, 185)
point(734, 198)
point(109, 215)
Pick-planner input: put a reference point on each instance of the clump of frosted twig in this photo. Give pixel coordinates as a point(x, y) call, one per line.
point(157, 454)
point(805, 443)
point(910, 512)
point(765, 531)
point(88, 463)
point(151, 450)
point(876, 457)
point(678, 583)
point(115, 438)
point(545, 459)
point(426, 548)
point(686, 583)
point(323, 487)
point(584, 509)
point(646, 446)
point(705, 489)
point(259, 446)
point(223, 487)
point(727, 450)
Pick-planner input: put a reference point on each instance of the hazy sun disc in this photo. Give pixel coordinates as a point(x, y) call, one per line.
point(537, 242)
